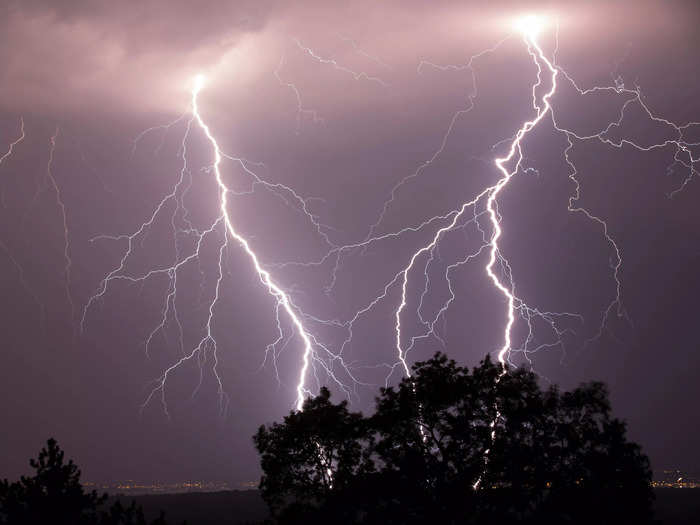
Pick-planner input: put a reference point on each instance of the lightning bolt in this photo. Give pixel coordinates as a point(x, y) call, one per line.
point(364, 53)
point(453, 220)
point(53, 184)
point(357, 75)
point(50, 182)
point(3, 246)
point(223, 227)
point(68, 263)
point(489, 195)
point(14, 142)
point(509, 165)
point(515, 151)
point(479, 216)
point(301, 110)
point(281, 298)
point(682, 155)
point(23, 281)
point(9, 151)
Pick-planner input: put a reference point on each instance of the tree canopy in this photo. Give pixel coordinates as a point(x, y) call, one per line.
point(454, 445)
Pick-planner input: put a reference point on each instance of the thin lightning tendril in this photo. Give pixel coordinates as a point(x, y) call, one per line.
point(12, 145)
point(9, 151)
point(8, 252)
point(301, 110)
point(68, 263)
point(357, 75)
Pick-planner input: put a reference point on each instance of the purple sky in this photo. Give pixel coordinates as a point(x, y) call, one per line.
point(342, 135)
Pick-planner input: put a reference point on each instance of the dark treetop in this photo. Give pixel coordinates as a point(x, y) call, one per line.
point(454, 445)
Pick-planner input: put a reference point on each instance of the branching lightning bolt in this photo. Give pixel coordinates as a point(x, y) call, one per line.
point(280, 296)
point(490, 194)
point(478, 216)
point(222, 226)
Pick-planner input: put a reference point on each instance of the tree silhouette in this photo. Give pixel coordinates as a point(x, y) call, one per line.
point(454, 445)
point(432, 433)
point(55, 495)
point(314, 455)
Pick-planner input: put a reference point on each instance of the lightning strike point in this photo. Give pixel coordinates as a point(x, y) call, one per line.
point(531, 25)
point(198, 83)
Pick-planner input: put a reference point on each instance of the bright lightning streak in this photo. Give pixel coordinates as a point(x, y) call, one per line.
point(280, 296)
point(532, 29)
point(179, 218)
point(451, 221)
point(491, 193)
point(315, 352)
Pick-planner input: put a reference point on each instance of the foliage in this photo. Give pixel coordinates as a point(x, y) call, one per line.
point(55, 495)
point(314, 454)
point(454, 445)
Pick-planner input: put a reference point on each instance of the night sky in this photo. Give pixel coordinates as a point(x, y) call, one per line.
point(332, 108)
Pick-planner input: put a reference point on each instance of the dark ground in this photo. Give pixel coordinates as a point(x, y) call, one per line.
point(676, 506)
point(204, 508)
point(673, 507)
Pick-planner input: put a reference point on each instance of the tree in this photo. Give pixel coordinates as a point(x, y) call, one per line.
point(432, 433)
point(454, 445)
point(55, 495)
point(314, 455)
